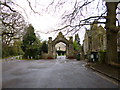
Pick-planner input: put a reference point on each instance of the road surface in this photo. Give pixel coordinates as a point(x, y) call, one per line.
point(58, 73)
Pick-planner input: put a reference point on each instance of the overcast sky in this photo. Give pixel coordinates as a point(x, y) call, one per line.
point(50, 19)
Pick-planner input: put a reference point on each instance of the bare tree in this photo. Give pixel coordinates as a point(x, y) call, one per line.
point(13, 22)
point(74, 20)
point(111, 32)
point(80, 15)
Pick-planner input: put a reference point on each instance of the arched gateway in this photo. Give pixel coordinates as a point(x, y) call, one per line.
point(60, 38)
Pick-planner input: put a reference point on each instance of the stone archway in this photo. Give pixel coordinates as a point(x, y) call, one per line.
point(60, 38)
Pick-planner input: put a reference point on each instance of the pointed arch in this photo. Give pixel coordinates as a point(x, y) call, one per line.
point(60, 38)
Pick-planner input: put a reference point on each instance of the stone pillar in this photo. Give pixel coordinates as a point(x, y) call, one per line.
point(54, 52)
point(67, 50)
point(50, 47)
point(70, 48)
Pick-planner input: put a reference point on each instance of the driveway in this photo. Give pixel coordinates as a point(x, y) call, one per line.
point(57, 73)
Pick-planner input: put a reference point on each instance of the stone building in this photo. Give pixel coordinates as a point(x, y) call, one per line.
point(94, 41)
point(60, 46)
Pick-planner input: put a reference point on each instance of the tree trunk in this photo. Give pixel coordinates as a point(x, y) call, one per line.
point(111, 33)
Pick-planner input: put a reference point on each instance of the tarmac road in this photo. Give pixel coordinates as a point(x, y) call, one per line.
point(57, 73)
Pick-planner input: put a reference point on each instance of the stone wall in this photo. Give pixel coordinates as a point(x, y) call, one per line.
point(44, 55)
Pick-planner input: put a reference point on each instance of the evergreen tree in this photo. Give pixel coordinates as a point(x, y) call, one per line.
point(31, 45)
point(77, 39)
point(44, 47)
point(76, 46)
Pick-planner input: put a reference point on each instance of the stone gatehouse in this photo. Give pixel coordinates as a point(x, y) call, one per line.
point(60, 38)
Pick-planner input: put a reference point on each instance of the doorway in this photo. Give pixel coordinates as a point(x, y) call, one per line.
point(60, 50)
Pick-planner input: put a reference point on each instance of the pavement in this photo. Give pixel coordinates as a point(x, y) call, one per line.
point(110, 71)
point(56, 73)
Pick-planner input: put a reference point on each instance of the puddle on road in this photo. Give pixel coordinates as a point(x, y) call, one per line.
point(59, 61)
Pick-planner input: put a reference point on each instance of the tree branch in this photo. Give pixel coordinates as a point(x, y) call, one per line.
point(32, 8)
point(7, 6)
